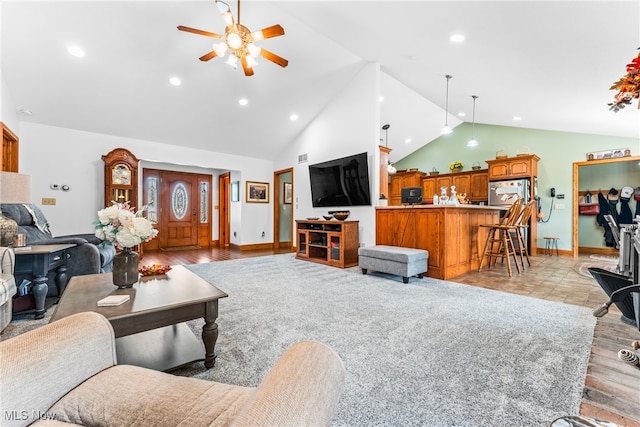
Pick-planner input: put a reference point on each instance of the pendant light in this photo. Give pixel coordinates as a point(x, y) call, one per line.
point(390, 169)
point(472, 142)
point(446, 129)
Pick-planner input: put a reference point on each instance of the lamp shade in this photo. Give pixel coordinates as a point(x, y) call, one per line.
point(15, 188)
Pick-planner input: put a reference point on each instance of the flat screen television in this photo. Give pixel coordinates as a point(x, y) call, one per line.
point(411, 195)
point(340, 182)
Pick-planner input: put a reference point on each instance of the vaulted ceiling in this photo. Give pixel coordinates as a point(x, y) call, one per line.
point(549, 63)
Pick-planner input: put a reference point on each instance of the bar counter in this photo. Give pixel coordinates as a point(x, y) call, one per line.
point(451, 234)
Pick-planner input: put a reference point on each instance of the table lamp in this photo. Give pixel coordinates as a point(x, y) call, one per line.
point(14, 188)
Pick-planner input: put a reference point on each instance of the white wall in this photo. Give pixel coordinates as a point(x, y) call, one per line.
point(53, 155)
point(347, 125)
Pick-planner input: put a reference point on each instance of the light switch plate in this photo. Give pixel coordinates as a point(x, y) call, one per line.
point(48, 201)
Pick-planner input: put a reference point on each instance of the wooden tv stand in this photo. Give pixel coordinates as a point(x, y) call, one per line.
point(328, 242)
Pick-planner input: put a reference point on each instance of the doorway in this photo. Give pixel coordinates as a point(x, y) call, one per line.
point(224, 227)
point(283, 208)
point(179, 205)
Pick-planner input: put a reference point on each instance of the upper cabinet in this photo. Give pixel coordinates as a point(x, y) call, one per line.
point(120, 177)
point(402, 180)
point(522, 166)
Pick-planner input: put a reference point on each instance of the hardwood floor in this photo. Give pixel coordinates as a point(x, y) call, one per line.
point(612, 388)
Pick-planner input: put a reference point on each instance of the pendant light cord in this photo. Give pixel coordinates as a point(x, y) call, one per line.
point(446, 104)
point(473, 125)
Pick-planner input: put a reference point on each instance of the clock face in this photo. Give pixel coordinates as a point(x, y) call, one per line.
point(121, 175)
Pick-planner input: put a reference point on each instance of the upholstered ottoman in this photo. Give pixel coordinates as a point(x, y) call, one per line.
point(405, 262)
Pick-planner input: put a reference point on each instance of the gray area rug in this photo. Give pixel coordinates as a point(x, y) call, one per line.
point(431, 353)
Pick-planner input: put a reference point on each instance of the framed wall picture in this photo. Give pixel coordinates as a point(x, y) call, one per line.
point(257, 192)
point(235, 191)
point(287, 193)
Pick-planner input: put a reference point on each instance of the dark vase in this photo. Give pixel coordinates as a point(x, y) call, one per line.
point(125, 268)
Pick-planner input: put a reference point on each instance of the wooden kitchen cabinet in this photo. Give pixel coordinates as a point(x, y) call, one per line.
point(479, 186)
point(474, 183)
point(402, 180)
point(522, 166)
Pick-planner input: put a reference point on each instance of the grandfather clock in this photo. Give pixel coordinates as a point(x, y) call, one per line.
point(120, 177)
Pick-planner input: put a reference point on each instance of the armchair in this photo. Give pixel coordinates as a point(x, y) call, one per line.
point(88, 257)
point(77, 381)
point(7, 285)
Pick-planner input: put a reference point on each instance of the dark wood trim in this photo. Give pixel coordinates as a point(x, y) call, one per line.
point(10, 150)
point(224, 226)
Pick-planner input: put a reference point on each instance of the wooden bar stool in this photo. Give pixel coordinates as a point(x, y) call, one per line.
point(499, 243)
point(551, 243)
point(523, 223)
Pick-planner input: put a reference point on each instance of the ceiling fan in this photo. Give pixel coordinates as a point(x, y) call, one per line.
point(239, 41)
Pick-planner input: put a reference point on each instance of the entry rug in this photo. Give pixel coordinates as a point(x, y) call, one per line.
point(431, 352)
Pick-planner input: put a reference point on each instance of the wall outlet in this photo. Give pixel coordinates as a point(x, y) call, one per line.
point(559, 205)
point(48, 201)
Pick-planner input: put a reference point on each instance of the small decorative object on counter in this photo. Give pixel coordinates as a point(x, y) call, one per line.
point(475, 166)
point(382, 201)
point(434, 172)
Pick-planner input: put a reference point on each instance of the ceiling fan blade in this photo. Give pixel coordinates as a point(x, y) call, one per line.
point(208, 56)
point(201, 32)
point(248, 71)
point(272, 31)
point(273, 57)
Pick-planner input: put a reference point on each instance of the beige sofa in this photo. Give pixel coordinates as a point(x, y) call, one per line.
point(66, 372)
point(7, 286)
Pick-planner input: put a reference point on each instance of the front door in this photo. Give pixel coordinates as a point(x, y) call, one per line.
point(180, 202)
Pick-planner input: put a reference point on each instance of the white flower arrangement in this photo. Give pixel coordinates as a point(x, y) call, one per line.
point(123, 227)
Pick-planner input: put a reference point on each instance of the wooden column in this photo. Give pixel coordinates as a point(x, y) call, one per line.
point(384, 175)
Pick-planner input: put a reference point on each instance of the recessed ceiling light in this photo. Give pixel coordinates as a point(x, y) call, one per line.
point(407, 141)
point(517, 118)
point(381, 98)
point(75, 51)
point(293, 117)
point(243, 101)
point(175, 81)
point(462, 114)
point(25, 111)
point(457, 38)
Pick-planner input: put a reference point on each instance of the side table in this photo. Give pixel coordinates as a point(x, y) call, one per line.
point(38, 261)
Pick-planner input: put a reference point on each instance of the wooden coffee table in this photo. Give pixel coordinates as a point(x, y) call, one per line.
point(149, 328)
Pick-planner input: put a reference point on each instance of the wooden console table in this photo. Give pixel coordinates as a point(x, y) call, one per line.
point(38, 261)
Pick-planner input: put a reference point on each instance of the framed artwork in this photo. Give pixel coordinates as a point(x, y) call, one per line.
point(235, 191)
point(288, 193)
point(257, 192)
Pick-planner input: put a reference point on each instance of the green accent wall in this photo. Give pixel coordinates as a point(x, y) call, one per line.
point(557, 151)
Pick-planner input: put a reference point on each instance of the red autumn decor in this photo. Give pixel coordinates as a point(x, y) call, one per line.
point(628, 86)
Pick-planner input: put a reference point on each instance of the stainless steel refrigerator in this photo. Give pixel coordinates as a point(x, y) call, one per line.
point(504, 193)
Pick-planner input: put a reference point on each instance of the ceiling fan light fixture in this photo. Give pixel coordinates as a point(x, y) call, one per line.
point(251, 62)
point(472, 143)
point(220, 49)
point(234, 40)
point(239, 41)
point(233, 61)
point(446, 130)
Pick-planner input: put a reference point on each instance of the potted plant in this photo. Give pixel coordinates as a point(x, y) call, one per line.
point(456, 166)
